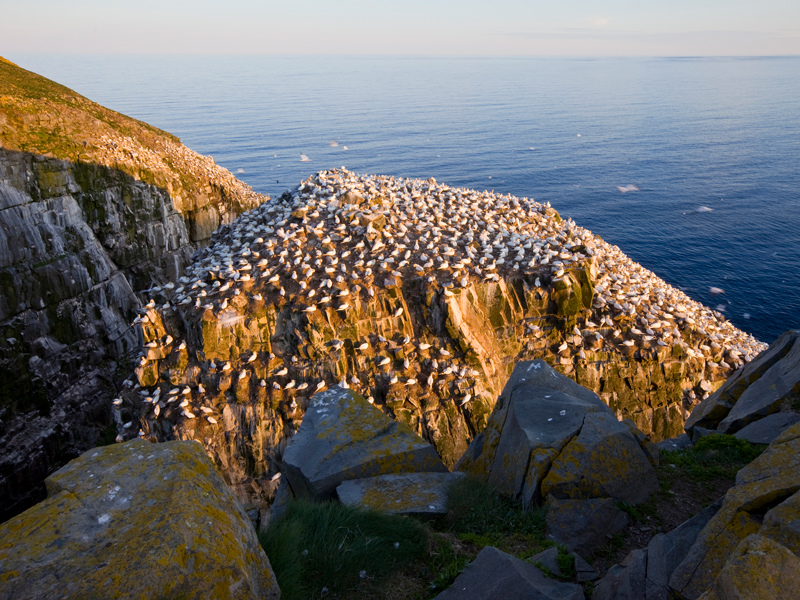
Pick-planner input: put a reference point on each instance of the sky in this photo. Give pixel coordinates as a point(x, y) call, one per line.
point(404, 28)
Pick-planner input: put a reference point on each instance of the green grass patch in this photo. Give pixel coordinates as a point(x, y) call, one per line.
point(477, 514)
point(448, 570)
point(329, 545)
point(714, 456)
point(566, 563)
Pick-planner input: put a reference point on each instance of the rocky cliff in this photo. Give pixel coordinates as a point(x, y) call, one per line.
point(420, 297)
point(93, 207)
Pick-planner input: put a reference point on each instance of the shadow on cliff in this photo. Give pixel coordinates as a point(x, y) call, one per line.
point(76, 240)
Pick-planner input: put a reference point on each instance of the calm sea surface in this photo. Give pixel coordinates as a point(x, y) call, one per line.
point(719, 133)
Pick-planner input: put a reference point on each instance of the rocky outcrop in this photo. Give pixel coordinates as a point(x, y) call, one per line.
point(769, 383)
point(765, 501)
point(644, 574)
point(584, 525)
point(135, 520)
point(746, 545)
point(759, 569)
point(495, 575)
point(768, 428)
point(93, 207)
point(385, 284)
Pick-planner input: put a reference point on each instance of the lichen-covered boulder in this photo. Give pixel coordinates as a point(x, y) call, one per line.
point(754, 391)
point(343, 437)
point(495, 575)
point(538, 413)
point(603, 461)
point(764, 500)
point(583, 525)
point(759, 569)
point(404, 493)
point(135, 520)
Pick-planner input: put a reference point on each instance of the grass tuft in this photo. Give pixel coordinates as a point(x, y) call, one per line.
point(329, 545)
point(714, 456)
point(479, 516)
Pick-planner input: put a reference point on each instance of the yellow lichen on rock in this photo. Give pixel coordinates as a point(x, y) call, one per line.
point(135, 520)
point(768, 484)
point(759, 569)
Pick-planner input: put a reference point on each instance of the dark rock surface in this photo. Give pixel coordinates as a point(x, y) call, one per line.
point(765, 501)
point(549, 436)
point(495, 575)
point(603, 461)
point(583, 525)
point(767, 429)
point(645, 573)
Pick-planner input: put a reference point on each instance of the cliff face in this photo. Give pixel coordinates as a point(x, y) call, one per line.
point(409, 292)
point(93, 207)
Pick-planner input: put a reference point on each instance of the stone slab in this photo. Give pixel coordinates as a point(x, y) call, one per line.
point(765, 396)
point(404, 493)
point(677, 443)
point(711, 411)
point(767, 429)
point(495, 575)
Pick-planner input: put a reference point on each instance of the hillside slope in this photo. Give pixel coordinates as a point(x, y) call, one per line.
point(94, 206)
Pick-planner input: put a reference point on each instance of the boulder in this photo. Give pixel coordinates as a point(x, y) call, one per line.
point(759, 569)
point(344, 437)
point(717, 407)
point(603, 461)
point(495, 575)
point(135, 520)
point(625, 581)
point(767, 429)
point(282, 496)
point(766, 395)
point(538, 413)
point(584, 571)
point(764, 494)
point(583, 525)
point(404, 493)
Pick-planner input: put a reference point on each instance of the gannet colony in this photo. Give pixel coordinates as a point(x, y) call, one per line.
point(418, 296)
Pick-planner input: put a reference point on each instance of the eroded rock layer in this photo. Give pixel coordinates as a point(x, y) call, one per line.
point(420, 297)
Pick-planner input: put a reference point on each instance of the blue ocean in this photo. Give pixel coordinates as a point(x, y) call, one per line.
point(690, 165)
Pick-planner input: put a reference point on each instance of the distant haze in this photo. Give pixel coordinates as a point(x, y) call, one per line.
point(405, 28)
